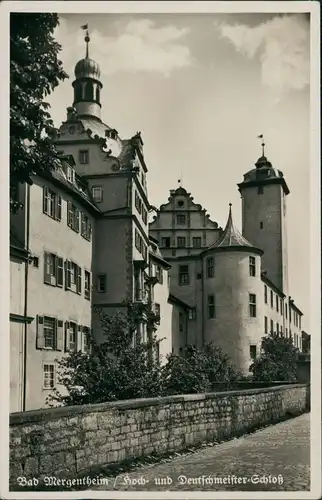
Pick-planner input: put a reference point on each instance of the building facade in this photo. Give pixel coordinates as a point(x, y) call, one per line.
point(236, 285)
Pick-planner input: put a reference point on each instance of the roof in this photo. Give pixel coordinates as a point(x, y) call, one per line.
point(232, 238)
point(155, 253)
point(264, 173)
point(174, 300)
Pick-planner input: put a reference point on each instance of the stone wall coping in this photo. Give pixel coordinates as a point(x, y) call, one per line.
point(42, 415)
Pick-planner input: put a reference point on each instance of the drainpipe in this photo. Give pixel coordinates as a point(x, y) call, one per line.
point(25, 340)
point(202, 303)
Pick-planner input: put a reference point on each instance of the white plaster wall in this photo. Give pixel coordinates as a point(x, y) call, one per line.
point(233, 328)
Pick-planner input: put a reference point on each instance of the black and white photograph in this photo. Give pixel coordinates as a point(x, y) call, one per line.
point(161, 196)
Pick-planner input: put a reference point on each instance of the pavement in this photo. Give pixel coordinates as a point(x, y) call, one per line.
point(276, 458)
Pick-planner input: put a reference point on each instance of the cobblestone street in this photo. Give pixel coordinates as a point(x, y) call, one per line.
point(279, 455)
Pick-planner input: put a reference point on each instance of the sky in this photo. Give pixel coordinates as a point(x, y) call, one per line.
point(201, 88)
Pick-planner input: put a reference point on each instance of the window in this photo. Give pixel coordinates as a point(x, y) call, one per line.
point(265, 324)
point(101, 283)
point(180, 322)
point(97, 194)
point(181, 219)
point(252, 351)
point(49, 333)
point(157, 312)
point(71, 334)
point(159, 274)
point(51, 204)
point(35, 261)
point(192, 313)
point(73, 216)
point(144, 216)
point(53, 269)
point(281, 306)
point(272, 327)
point(265, 294)
point(181, 242)
point(277, 303)
point(183, 275)
point(261, 225)
point(277, 328)
point(260, 190)
point(211, 306)
point(86, 339)
point(196, 242)
point(165, 242)
point(286, 311)
point(286, 332)
point(49, 376)
point(86, 227)
point(290, 313)
point(84, 156)
point(272, 299)
point(252, 266)
point(70, 173)
point(73, 278)
point(138, 241)
point(138, 202)
point(210, 267)
point(180, 203)
point(252, 305)
point(87, 285)
point(300, 321)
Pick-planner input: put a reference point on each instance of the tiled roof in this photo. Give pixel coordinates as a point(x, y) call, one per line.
point(230, 237)
point(95, 126)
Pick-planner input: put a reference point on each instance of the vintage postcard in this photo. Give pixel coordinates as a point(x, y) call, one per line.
point(161, 211)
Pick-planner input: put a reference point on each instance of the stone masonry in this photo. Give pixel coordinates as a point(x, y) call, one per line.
point(72, 440)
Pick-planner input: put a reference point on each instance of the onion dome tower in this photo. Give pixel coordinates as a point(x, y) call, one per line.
point(87, 86)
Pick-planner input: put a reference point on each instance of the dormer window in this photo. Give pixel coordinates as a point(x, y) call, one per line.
point(97, 194)
point(84, 156)
point(70, 173)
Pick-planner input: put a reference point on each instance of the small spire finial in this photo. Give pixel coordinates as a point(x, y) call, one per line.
point(87, 38)
point(261, 136)
point(230, 204)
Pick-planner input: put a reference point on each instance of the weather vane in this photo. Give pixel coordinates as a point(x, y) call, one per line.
point(261, 136)
point(87, 38)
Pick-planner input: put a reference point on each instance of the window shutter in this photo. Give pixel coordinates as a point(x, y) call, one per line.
point(77, 220)
point(83, 226)
point(69, 214)
point(60, 272)
point(58, 207)
point(79, 338)
point(68, 283)
point(66, 336)
point(44, 203)
point(79, 280)
point(89, 230)
point(40, 342)
point(60, 335)
point(47, 278)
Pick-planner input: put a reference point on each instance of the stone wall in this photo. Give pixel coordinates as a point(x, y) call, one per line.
point(72, 440)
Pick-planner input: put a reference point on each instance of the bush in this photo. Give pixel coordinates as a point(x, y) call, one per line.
point(277, 360)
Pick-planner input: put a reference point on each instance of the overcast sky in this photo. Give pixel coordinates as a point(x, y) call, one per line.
point(201, 88)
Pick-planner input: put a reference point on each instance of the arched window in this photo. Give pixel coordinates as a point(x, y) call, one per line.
point(98, 94)
point(78, 92)
point(89, 91)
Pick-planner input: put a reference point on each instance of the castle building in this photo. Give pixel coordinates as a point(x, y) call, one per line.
point(235, 285)
point(79, 243)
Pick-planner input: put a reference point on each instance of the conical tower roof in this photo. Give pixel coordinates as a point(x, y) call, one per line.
point(231, 238)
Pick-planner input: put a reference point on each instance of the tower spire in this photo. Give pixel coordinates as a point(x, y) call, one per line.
point(87, 39)
point(261, 136)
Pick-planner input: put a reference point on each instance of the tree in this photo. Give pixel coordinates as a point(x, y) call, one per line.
point(277, 361)
point(198, 371)
point(113, 370)
point(35, 71)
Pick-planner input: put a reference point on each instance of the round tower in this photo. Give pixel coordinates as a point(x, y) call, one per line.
point(87, 86)
point(233, 296)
